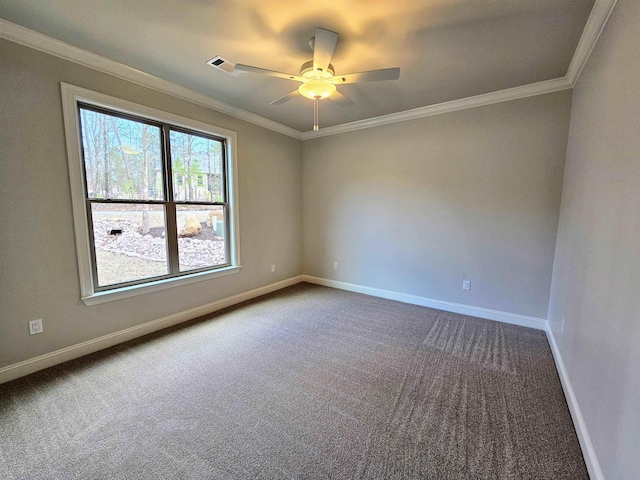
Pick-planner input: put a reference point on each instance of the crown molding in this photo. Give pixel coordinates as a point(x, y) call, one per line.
point(540, 88)
point(595, 24)
point(29, 38)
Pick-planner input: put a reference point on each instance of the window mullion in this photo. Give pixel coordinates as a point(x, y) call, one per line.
point(170, 205)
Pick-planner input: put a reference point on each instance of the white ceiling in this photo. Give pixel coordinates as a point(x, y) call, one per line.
point(446, 49)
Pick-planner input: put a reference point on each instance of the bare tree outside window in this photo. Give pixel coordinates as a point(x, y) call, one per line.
point(145, 223)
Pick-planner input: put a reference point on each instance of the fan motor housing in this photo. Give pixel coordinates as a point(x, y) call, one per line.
point(307, 71)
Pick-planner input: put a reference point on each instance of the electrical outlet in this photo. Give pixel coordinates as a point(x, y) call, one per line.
point(35, 326)
point(466, 284)
point(273, 268)
point(335, 265)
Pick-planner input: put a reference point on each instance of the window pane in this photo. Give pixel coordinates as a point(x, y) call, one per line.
point(197, 164)
point(129, 241)
point(122, 157)
point(201, 236)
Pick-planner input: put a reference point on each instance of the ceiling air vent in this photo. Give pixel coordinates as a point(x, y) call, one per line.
point(225, 65)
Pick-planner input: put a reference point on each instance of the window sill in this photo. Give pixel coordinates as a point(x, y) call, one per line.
point(135, 290)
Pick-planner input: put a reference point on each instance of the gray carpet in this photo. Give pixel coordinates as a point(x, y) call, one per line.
point(308, 382)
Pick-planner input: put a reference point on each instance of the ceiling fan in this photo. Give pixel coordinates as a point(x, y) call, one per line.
point(318, 78)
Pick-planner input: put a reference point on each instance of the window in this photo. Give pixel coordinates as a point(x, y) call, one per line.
point(146, 218)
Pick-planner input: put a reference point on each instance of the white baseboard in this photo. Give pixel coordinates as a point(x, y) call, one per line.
point(32, 365)
point(35, 364)
point(486, 313)
point(588, 452)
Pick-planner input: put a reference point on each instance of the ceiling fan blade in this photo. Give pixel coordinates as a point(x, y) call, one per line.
point(263, 71)
point(340, 100)
point(286, 98)
point(323, 47)
point(370, 76)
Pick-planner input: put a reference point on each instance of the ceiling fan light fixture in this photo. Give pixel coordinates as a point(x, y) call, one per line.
point(317, 76)
point(317, 88)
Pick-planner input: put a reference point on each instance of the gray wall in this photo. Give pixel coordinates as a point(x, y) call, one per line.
point(412, 207)
point(38, 266)
point(596, 275)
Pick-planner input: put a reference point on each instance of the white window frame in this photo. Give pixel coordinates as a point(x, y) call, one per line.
point(71, 96)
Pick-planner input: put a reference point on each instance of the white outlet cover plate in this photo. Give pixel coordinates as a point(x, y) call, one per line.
point(35, 326)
